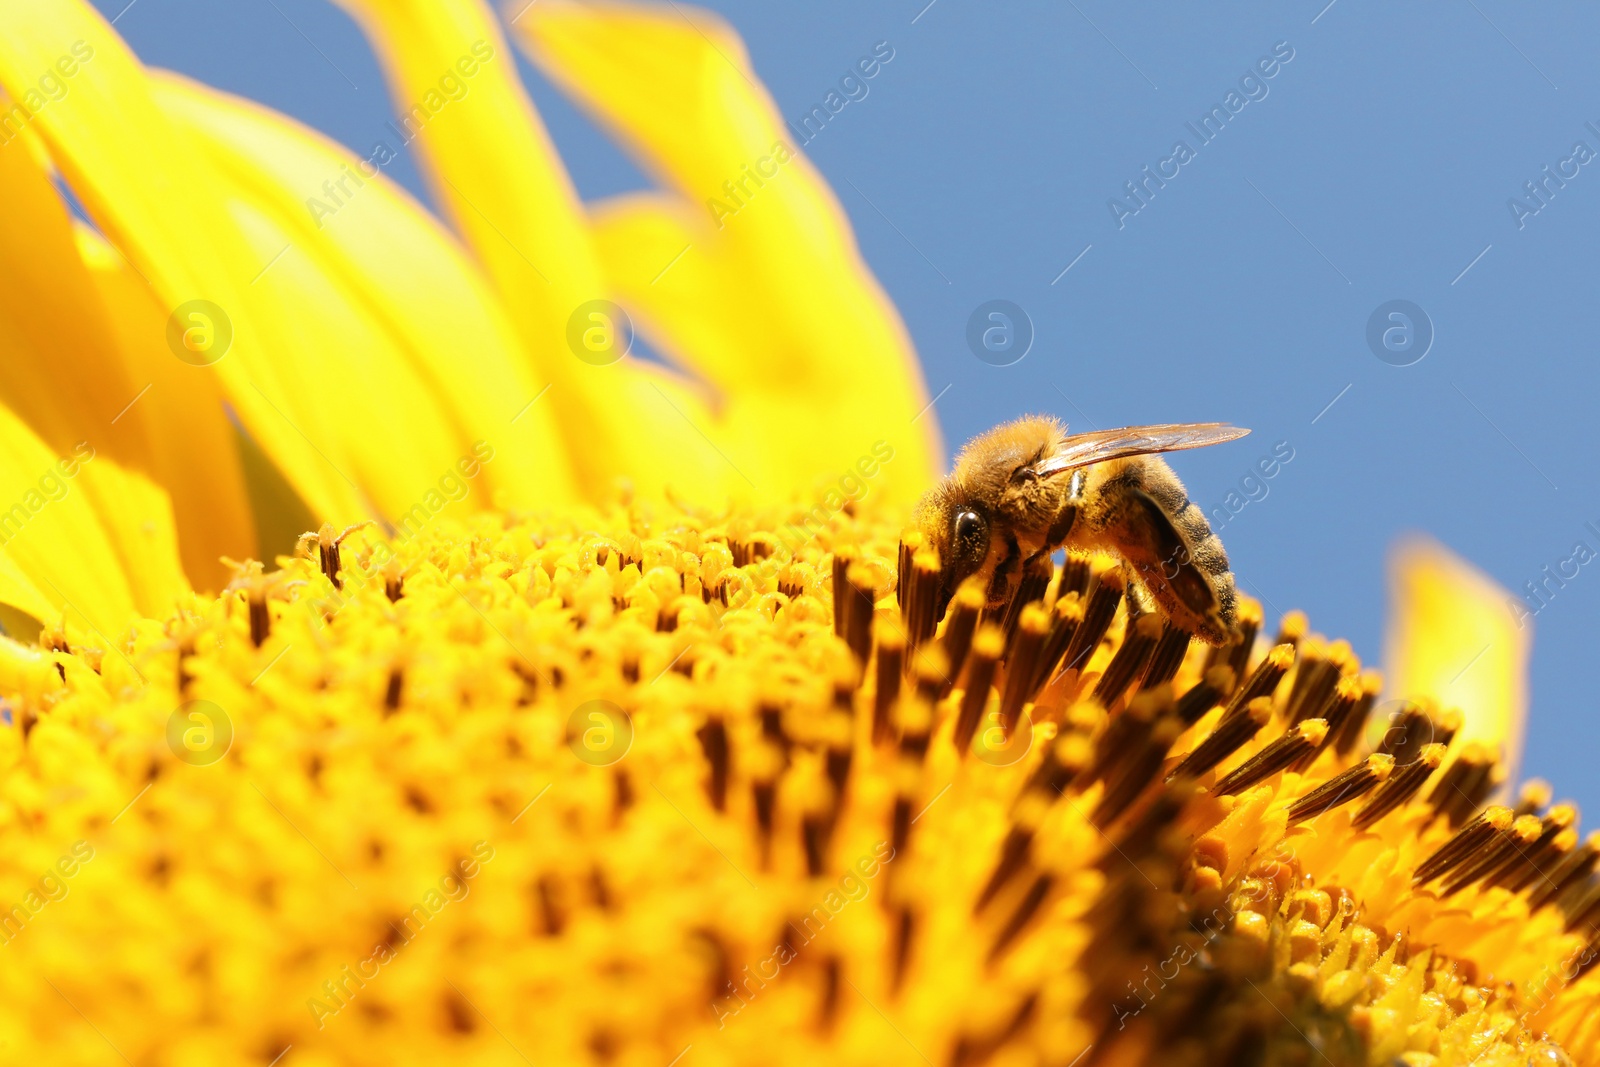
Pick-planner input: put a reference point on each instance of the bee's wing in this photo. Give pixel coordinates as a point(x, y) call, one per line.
point(1081, 449)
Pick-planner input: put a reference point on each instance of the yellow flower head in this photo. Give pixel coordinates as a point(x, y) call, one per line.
point(642, 780)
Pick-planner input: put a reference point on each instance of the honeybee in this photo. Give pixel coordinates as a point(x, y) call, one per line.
point(1027, 488)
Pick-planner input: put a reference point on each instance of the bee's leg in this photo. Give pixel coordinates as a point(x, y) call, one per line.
point(1060, 529)
point(1005, 573)
point(1137, 593)
point(1138, 509)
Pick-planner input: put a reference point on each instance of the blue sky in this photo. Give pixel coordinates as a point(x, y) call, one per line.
point(1377, 163)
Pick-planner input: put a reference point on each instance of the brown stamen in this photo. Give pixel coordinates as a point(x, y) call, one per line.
point(843, 557)
point(1105, 593)
point(859, 596)
point(1292, 629)
point(1128, 780)
point(1465, 844)
point(1031, 590)
point(963, 615)
point(1409, 729)
point(1019, 918)
point(1466, 784)
point(1205, 694)
point(1533, 797)
point(714, 741)
point(1166, 657)
point(914, 720)
point(910, 542)
point(1524, 830)
point(1124, 735)
point(1557, 837)
point(904, 931)
point(922, 599)
point(1014, 849)
point(1144, 834)
point(1022, 664)
point(838, 730)
point(1355, 722)
point(1076, 573)
point(986, 649)
point(1336, 712)
point(1342, 788)
point(931, 671)
point(890, 669)
point(759, 547)
point(394, 580)
point(1063, 760)
point(1065, 618)
point(392, 691)
point(1264, 680)
point(1137, 645)
point(260, 620)
point(1404, 784)
point(770, 713)
point(767, 763)
point(828, 1004)
point(1314, 681)
point(1278, 756)
point(328, 549)
point(1574, 869)
point(900, 824)
point(1232, 733)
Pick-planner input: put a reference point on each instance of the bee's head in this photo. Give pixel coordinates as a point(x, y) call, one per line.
point(959, 528)
point(969, 543)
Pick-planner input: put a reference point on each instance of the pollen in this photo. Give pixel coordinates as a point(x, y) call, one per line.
point(645, 784)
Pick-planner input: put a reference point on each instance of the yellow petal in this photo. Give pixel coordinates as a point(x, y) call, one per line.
point(192, 443)
point(501, 184)
point(456, 92)
point(733, 269)
point(66, 379)
point(155, 198)
point(804, 396)
point(425, 305)
point(1454, 636)
point(57, 556)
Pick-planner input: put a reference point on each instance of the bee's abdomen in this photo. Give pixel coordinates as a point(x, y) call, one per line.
point(1204, 548)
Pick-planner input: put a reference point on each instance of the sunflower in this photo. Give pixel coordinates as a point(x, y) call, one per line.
point(603, 717)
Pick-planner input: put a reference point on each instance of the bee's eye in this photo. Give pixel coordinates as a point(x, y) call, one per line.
point(969, 539)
